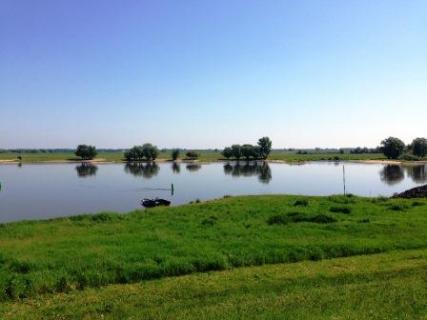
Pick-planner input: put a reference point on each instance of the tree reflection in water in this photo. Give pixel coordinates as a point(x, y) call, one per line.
point(86, 170)
point(193, 167)
point(176, 168)
point(392, 174)
point(249, 169)
point(138, 169)
point(417, 173)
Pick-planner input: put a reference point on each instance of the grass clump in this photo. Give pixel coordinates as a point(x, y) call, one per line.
point(296, 217)
point(345, 210)
point(301, 203)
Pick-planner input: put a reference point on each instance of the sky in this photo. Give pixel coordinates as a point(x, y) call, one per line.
point(210, 73)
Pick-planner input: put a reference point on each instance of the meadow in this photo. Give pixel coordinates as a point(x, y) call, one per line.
point(390, 285)
point(204, 156)
point(90, 251)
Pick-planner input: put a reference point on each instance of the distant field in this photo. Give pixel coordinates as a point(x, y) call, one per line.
point(205, 156)
point(382, 286)
point(89, 251)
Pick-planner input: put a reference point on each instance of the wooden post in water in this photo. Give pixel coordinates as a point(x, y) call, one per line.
point(172, 189)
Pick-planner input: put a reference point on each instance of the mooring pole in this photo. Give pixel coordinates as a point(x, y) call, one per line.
point(172, 189)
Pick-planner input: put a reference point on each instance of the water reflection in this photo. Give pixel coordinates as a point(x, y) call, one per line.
point(249, 169)
point(417, 173)
point(147, 170)
point(86, 170)
point(176, 168)
point(193, 167)
point(392, 174)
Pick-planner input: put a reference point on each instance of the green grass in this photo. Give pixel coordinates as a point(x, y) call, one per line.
point(75, 253)
point(205, 156)
point(380, 286)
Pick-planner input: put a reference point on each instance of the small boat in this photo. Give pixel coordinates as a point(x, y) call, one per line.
point(150, 203)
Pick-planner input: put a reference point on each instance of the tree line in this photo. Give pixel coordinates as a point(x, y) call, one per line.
point(394, 148)
point(248, 151)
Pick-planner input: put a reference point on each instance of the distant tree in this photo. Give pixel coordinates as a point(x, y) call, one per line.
point(237, 151)
point(248, 151)
point(150, 152)
point(86, 152)
point(136, 153)
point(419, 147)
point(175, 154)
point(392, 147)
point(227, 152)
point(192, 155)
point(265, 147)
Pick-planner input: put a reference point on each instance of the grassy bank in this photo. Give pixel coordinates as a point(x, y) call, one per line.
point(381, 286)
point(205, 156)
point(81, 252)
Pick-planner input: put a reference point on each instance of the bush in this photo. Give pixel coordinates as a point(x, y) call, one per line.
point(409, 157)
point(192, 155)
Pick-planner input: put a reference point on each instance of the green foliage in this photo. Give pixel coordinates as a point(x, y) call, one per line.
point(227, 152)
point(85, 152)
point(175, 154)
point(147, 151)
point(237, 151)
point(419, 147)
point(265, 145)
point(150, 151)
point(392, 147)
point(192, 155)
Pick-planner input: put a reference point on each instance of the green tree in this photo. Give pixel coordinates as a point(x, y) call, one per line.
point(248, 151)
point(392, 147)
point(265, 147)
point(419, 147)
point(86, 152)
point(150, 151)
point(237, 151)
point(227, 152)
point(134, 154)
point(175, 154)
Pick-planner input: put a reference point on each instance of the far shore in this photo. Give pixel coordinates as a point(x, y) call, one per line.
point(105, 161)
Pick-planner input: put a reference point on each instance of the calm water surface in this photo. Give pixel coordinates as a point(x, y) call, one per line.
point(40, 191)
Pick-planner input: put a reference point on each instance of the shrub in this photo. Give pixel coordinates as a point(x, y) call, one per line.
point(192, 155)
point(409, 157)
point(227, 153)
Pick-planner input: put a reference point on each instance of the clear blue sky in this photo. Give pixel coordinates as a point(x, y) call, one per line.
point(207, 73)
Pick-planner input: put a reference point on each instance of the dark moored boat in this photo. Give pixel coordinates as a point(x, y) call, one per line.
point(150, 203)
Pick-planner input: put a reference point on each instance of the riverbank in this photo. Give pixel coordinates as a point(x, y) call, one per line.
point(72, 254)
point(206, 156)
